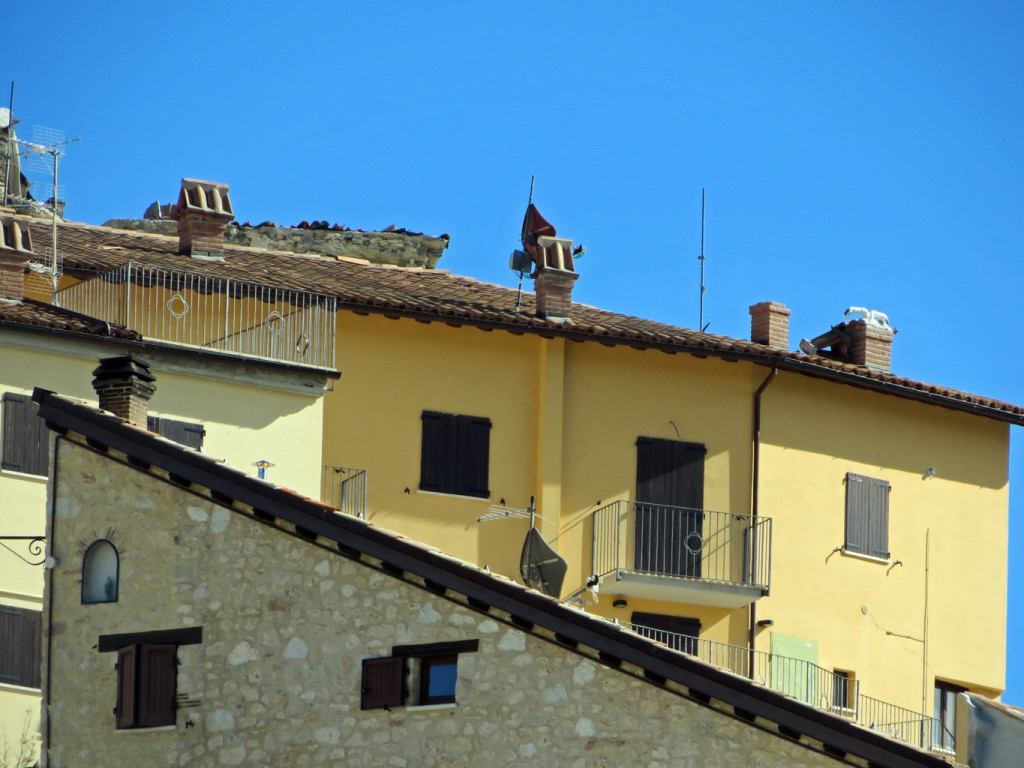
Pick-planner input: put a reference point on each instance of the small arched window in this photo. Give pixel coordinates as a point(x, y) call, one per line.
point(100, 569)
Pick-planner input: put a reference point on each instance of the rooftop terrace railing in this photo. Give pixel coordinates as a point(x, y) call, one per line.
point(813, 685)
point(231, 316)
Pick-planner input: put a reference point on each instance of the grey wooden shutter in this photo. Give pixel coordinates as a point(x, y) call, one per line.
point(383, 683)
point(438, 452)
point(126, 674)
point(157, 684)
point(473, 456)
point(20, 635)
point(187, 433)
point(867, 515)
point(24, 436)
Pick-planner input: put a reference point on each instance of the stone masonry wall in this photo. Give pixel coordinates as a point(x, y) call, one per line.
point(286, 624)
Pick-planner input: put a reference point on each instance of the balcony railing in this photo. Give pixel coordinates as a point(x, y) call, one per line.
point(636, 540)
point(232, 316)
point(345, 488)
point(813, 685)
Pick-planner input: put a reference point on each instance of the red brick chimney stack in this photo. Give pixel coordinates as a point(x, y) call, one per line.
point(204, 212)
point(15, 251)
point(125, 386)
point(769, 324)
point(871, 344)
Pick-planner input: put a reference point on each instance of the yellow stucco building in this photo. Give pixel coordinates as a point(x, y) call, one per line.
point(795, 517)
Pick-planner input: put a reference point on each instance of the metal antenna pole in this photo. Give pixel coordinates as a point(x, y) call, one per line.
point(10, 148)
point(703, 287)
point(55, 276)
point(532, 179)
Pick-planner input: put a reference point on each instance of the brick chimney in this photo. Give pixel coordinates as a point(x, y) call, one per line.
point(769, 324)
point(204, 212)
point(15, 251)
point(125, 386)
point(871, 344)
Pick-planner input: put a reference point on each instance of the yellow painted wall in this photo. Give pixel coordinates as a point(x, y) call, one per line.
point(566, 417)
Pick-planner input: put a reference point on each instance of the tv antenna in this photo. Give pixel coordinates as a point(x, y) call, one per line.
point(541, 567)
point(47, 142)
point(702, 258)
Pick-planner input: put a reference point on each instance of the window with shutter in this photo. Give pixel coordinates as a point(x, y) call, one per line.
point(428, 677)
point(455, 454)
point(187, 433)
point(867, 515)
point(383, 683)
point(24, 436)
point(20, 636)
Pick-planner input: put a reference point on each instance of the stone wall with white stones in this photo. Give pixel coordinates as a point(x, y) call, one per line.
point(286, 625)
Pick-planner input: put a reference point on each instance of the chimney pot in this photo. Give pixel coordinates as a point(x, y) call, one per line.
point(15, 251)
point(124, 385)
point(769, 324)
point(204, 212)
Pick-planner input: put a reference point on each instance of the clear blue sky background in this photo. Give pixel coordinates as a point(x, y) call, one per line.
point(865, 153)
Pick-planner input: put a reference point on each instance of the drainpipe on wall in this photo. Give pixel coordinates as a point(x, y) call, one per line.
point(755, 486)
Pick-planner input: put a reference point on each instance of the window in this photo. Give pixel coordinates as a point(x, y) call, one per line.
point(867, 515)
point(100, 573)
point(25, 447)
point(20, 634)
point(190, 434)
point(844, 692)
point(455, 454)
point(678, 632)
point(429, 671)
point(944, 715)
point(147, 674)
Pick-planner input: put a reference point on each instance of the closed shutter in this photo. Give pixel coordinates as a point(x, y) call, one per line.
point(157, 685)
point(24, 436)
point(187, 433)
point(678, 632)
point(383, 683)
point(438, 453)
point(867, 515)
point(20, 635)
point(473, 458)
point(126, 673)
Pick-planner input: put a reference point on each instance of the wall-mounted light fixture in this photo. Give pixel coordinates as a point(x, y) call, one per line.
point(619, 603)
point(931, 472)
point(766, 623)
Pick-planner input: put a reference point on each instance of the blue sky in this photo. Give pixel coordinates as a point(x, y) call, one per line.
point(866, 154)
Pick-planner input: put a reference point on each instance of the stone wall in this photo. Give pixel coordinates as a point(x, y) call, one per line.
point(286, 624)
point(405, 249)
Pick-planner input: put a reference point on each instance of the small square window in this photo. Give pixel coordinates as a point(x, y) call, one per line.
point(455, 454)
point(428, 673)
point(438, 675)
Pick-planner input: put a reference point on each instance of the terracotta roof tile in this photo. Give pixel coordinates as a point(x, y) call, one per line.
point(425, 293)
point(46, 316)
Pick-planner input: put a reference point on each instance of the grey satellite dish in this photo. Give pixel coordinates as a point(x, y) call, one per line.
point(541, 567)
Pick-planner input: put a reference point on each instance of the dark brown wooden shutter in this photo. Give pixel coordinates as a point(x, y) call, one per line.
point(383, 683)
point(187, 433)
point(473, 456)
point(867, 515)
point(24, 436)
point(679, 632)
point(438, 453)
point(157, 685)
point(20, 637)
point(126, 676)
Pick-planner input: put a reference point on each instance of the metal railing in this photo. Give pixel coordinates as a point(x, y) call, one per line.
point(345, 488)
point(676, 541)
point(813, 685)
point(233, 316)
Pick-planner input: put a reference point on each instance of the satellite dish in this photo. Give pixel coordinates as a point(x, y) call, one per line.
point(541, 567)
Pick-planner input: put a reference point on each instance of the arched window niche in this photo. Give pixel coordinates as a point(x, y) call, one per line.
point(100, 571)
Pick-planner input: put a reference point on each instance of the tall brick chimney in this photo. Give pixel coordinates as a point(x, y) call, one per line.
point(769, 324)
point(555, 271)
point(125, 386)
point(871, 344)
point(15, 251)
point(204, 212)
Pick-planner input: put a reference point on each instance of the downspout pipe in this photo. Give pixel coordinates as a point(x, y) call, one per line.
point(755, 482)
point(44, 752)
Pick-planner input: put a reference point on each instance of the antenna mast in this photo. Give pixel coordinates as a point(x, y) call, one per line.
point(10, 148)
point(701, 258)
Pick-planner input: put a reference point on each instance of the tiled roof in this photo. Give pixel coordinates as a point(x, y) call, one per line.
point(440, 295)
point(36, 314)
point(483, 591)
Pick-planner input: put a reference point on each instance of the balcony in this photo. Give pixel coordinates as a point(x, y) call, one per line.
point(813, 685)
point(683, 555)
point(344, 488)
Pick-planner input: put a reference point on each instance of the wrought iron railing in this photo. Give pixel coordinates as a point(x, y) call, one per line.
point(813, 685)
point(233, 316)
point(676, 541)
point(345, 488)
